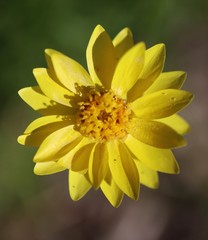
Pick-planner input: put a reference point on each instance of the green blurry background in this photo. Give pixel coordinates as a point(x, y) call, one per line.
point(39, 208)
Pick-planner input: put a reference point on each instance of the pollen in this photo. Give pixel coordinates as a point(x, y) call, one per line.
point(103, 116)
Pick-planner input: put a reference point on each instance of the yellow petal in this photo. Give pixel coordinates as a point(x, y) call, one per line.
point(176, 122)
point(76, 146)
point(69, 72)
point(55, 143)
point(112, 192)
point(80, 160)
point(128, 69)
point(122, 42)
point(123, 169)
point(39, 129)
point(156, 134)
point(78, 185)
point(148, 177)
point(161, 104)
point(35, 98)
point(167, 80)
point(161, 160)
point(46, 122)
point(46, 168)
point(98, 164)
point(101, 57)
point(153, 65)
point(51, 89)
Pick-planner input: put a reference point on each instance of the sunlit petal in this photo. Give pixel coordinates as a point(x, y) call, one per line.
point(176, 122)
point(55, 142)
point(128, 69)
point(161, 104)
point(35, 98)
point(73, 149)
point(167, 80)
point(112, 191)
point(78, 185)
point(46, 168)
point(161, 160)
point(156, 134)
point(39, 129)
point(148, 177)
point(122, 42)
point(153, 65)
point(101, 57)
point(51, 89)
point(80, 160)
point(123, 169)
point(98, 164)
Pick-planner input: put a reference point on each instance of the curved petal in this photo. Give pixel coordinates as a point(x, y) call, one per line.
point(161, 104)
point(177, 123)
point(122, 42)
point(78, 185)
point(80, 160)
point(112, 192)
point(128, 69)
point(39, 129)
point(101, 57)
point(156, 134)
point(98, 164)
point(35, 98)
point(153, 65)
point(51, 89)
point(123, 169)
point(161, 160)
point(66, 160)
point(167, 80)
point(46, 168)
point(46, 121)
point(148, 177)
point(69, 72)
point(55, 143)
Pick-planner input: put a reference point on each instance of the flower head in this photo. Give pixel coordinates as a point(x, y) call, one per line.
point(112, 128)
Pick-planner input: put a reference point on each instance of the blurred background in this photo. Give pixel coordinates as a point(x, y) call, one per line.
point(39, 208)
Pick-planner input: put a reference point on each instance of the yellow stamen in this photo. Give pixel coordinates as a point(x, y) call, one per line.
point(104, 116)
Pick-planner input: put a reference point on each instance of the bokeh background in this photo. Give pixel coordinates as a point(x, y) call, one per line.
point(39, 208)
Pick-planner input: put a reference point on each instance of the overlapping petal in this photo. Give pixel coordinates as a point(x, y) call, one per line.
point(177, 123)
point(112, 191)
point(166, 80)
point(39, 129)
point(78, 185)
point(74, 148)
point(51, 89)
point(128, 70)
point(46, 168)
point(161, 104)
point(101, 57)
point(156, 134)
point(153, 65)
point(122, 42)
point(55, 143)
point(98, 164)
point(35, 98)
point(161, 160)
point(80, 160)
point(148, 177)
point(123, 169)
point(69, 72)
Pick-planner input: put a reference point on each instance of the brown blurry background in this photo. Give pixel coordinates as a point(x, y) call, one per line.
point(39, 208)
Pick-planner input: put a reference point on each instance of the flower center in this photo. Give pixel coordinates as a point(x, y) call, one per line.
point(104, 116)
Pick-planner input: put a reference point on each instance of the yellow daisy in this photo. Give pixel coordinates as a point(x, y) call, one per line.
point(113, 127)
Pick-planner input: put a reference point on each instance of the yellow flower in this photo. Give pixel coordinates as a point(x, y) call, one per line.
point(113, 127)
